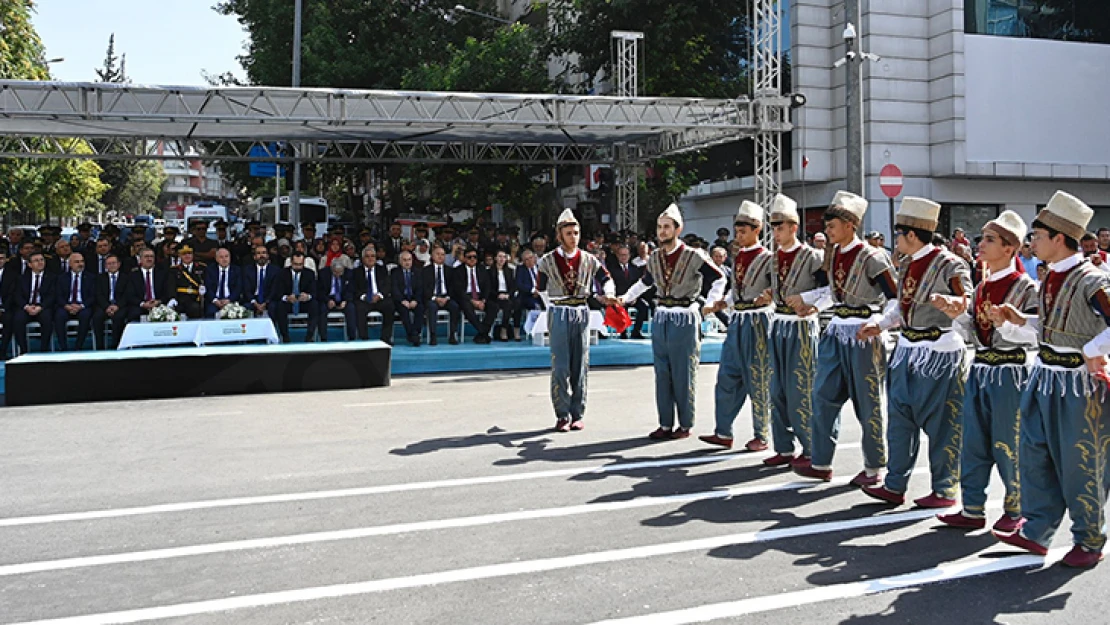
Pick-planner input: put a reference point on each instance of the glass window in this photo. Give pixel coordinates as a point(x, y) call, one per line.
point(970, 217)
point(1062, 20)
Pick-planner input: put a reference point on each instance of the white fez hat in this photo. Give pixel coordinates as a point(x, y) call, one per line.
point(1010, 226)
point(1067, 214)
point(847, 206)
point(675, 214)
point(920, 213)
point(750, 214)
point(784, 209)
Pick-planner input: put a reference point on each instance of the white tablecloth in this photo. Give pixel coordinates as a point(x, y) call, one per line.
point(202, 332)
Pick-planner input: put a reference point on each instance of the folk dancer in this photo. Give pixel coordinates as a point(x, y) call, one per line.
point(745, 367)
point(999, 373)
point(849, 366)
point(566, 282)
point(1064, 420)
point(794, 336)
point(928, 369)
point(679, 274)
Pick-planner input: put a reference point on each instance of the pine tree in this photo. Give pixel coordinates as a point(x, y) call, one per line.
point(111, 72)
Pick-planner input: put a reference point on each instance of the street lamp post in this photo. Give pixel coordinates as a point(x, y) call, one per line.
point(854, 58)
point(462, 9)
point(295, 192)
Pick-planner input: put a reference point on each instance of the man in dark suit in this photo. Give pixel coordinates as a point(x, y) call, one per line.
point(258, 282)
point(149, 286)
point(391, 246)
point(372, 292)
point(527, 287)
point(502, 297)
point(436, 278)
point(625, 274)
point(75, 299)
point(472, 289)
point(223, 283)
point(333, 295)
point(408, 297)
point(35, 302)
point(114, 299)
point(9, 287)
point(292, 294)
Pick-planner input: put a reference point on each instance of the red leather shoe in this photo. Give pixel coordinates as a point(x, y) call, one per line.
point(801, 461)
point(713, 439)
point(824, 475)
point(933, 500)
point(961, 521)
point(1021, 542)
point(578, 425)
point(1080, 558)
point(562, 425)
point(862, 479)
point(680, 433)
point(885, 495)
point(661, 434)
point(778, 460)
point(1008, 524)
point(756, 444)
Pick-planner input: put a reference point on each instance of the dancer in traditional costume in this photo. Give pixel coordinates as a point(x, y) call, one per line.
point(566, 282)
point(1065, 425)
point(861, 282)
point(928, 369)
point(678, 273)
point(745, 368)
point(991, 423)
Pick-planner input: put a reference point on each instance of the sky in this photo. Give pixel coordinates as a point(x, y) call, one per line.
point(167, 42)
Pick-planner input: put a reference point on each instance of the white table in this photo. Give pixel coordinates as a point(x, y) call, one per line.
point(536, 326)
point(200, 332)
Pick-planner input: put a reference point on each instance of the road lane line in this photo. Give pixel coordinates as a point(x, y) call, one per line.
point(405, 402)
point(187, 506)
point(950, 571)
point(493, 571)
point(41, 566)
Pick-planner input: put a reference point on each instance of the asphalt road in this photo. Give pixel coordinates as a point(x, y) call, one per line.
point(448, 499)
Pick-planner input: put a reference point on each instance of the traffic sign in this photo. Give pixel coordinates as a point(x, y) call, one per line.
point(264, 169)
point(890, 180)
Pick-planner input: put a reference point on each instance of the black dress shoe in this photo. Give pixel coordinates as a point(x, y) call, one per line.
point(433, 341)
point(454, 340)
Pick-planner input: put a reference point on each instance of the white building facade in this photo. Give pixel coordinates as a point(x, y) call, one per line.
point(985, 105)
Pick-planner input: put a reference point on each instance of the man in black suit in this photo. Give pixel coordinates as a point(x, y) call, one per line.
point(625, 274)
point(75, 299)
point(391, 246)
point(149, 286)
point(292, 294)
point(527, 287)
point(114, 299)
point(472, 289)
point(371, 291)
point(35, 302)
point(408, 297)
point(333, 295)
point(9, 287)
point(258, 282)
point(436, 278)
point(223, 283)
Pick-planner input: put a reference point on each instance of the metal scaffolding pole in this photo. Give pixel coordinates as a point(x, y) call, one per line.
point(766, 81)
point(295, 193)
point(626, 175)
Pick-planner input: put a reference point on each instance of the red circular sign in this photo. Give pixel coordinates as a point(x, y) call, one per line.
point(890, 180)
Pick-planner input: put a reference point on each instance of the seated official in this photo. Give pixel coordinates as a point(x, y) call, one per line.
point(408, 297)
point(333, 295)
point(472, 289)
point(35, 302)
point(372, 293)
point(258, 282)
point(502, 298)
point(113, 300)
point(292, 294)
point(437, 279)
point(75, 300)
point(9, 288)
point(148, 285)
point(185, 285)
point(625, 274)
point(223, 284)
point(527, 287)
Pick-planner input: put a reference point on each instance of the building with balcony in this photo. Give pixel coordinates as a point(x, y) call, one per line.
point(189, 179)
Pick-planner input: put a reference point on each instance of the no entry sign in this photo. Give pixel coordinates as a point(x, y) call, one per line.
point(890, 181)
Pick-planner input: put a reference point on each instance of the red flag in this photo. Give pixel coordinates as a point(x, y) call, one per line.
point(617, 317)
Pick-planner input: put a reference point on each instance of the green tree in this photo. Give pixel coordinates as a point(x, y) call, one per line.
point(46, 187)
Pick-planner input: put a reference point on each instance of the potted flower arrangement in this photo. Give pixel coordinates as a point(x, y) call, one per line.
point(233, 311)
point(163, 313)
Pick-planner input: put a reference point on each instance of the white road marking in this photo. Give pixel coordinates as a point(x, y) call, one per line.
point(41, 566)
point(968, 567)
point(369, 490)
point(493, 571)
point(405, 402)
point(221, 414)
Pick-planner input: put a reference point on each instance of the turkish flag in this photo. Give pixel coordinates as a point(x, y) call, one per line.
point(616, 317)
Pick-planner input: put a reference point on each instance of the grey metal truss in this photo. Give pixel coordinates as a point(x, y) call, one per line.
point(348, 126)
point(771, 108)
point(626, 72)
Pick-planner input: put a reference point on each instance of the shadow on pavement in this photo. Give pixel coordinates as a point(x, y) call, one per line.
point(492, 436)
